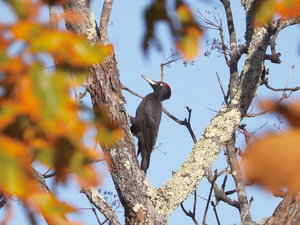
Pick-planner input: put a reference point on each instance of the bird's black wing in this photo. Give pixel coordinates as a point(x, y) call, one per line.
point(153, 111)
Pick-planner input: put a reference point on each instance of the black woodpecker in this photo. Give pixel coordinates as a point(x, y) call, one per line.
point(146, 122)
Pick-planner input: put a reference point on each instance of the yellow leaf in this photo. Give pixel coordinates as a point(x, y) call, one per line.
point(264, 12)
point(184, 14)
point(189, 46)
point(15, 170)
point(61, 45)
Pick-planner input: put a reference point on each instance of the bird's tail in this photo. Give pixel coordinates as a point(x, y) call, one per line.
point(145, 162)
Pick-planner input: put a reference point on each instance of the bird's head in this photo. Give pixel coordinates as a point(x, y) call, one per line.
point(162, 89)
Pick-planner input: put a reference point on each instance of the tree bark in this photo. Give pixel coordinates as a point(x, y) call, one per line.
point(287, 212)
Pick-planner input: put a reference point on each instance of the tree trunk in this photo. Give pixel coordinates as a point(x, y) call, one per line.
point(287, 212)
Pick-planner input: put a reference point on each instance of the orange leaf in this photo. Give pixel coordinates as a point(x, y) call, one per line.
point(15, 170)
point(52, 210)
point(288, 8)
point(189, 46)
point(274, 162)
point(291, 111)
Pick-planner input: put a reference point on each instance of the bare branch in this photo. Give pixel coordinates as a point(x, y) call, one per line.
point(222, 196)
point(232, 35)
point(284, 95)
point(99, 202)
point(235, 54)
point(274, 58)
point(107, 5)
point(132, 92)
point(4, 201)
point(215, 210)
point(251, 200)
point(53, 20)
point(167, 62)
point(225, 178)
point(209, 196)
point(225, 97)
point(217, 25)
point(189, 213)
point(49, 175)
point(238, 179)
point(265, 82)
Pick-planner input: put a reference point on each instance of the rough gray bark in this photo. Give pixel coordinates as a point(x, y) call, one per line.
point(142, 202)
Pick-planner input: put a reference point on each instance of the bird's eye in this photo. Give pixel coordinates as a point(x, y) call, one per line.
point(161, 84)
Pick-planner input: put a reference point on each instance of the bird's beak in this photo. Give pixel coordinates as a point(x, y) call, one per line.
point(151, 82)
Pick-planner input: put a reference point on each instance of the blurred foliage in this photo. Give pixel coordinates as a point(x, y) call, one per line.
point(183, 26)
point(267, 9)
point(38, 118)
point(273, 160)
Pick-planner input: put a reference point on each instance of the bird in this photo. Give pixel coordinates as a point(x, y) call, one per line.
point(146, 123)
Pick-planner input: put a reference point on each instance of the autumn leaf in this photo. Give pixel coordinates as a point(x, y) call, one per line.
point(267, 9)
point(60, 45)
point(288, 8)
point(15, 170)
point(155, 13)
point(85, 173)
point(274, 159)
point(107, 132)
point(52, 210)
point(290, 111)
point(24, 8)
point(189, 42)
point(185, 29)
point(264, 12)
point(190, 46)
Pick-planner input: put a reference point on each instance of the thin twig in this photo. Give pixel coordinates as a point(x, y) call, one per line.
point(104, 19)
point(251, 200)
point(225, 178)
point(225, 97)
point(189, 213)
point(95, 213)
point(4, 201)
point(284, 96)
point(182, 122)
point(195, 203)
point(287, 84)
point(215, 210)
point(81, 95)
point(209, 197)
point(49, 175)
point(167, 62)
point(216, 25)
point(50, 168)
point(101, 204)
point(132, 92)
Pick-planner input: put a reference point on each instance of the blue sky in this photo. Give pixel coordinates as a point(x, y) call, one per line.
point(195, 86)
